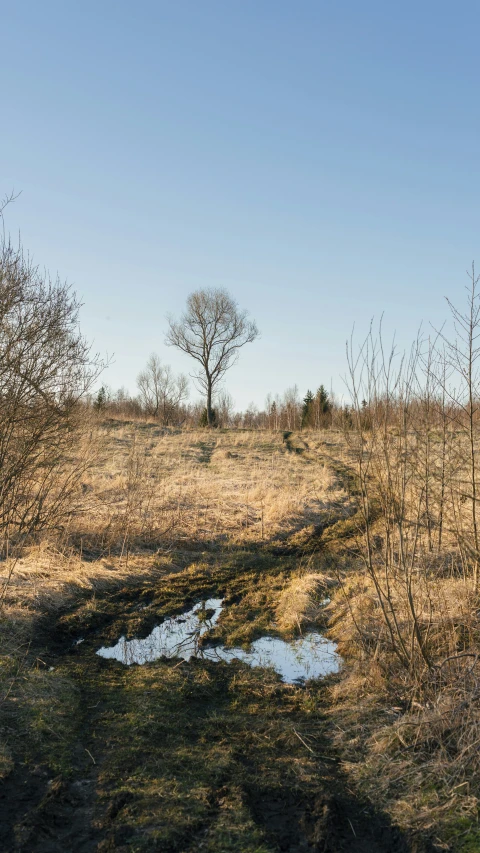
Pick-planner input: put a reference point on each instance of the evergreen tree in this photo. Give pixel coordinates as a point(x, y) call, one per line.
point(324, 404)
point(101, 400)
point(308, 414)
point(347, 417)
point(204, 418)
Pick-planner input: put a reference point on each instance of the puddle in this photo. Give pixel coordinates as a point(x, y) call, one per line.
point(311, 656)
point(177, 637)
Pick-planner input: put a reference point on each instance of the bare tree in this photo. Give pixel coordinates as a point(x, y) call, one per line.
point(211, 331)
point(292, 406)
point(161, 392)
point(46, 370)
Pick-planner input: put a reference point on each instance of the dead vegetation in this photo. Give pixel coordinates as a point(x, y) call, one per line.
point(407, 730)
point(154, 493)
point(407, 734)
point(302, 602)
point(409, 621)
point(411, 739)
point(155, 486)
point(46, 370)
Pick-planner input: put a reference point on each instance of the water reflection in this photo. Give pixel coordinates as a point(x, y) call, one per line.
point(177, 637)
point(311, 656)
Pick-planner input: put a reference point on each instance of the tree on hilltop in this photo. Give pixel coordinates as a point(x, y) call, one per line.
point(211, 331)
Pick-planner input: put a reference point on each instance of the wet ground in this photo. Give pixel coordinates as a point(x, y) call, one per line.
point(183, 753)
point(186, 636)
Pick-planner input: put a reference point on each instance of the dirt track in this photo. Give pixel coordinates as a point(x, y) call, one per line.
point(180, 758)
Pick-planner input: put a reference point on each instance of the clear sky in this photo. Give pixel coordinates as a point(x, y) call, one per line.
point(319, 160)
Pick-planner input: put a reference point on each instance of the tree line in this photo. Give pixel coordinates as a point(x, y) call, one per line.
point(162, 396)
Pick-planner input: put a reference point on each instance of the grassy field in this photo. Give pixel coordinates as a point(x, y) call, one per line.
point(219, 486)
point(176, 756)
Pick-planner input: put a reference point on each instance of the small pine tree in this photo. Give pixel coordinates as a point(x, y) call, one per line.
point(204, 419)
point(324, 404)
point(101, 400)
point(347, 417)
point(307, 410)
point(366, 416)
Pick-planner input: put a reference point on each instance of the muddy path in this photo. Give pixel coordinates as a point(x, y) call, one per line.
point(180, 756)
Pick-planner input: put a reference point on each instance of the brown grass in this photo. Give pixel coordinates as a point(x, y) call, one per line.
point(409, 743)
point(412, 742)
point(155, 485)
point(154, 490)
point(302, 601)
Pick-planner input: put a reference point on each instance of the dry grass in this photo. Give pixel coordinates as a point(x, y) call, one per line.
point(154, 496)
point(154, 493)
point(153, 490)
point(410, 743)
point(302, 601)
point(155, 485)
point(45, 579)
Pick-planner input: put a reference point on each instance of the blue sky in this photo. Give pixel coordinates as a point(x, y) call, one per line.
point(319, 160)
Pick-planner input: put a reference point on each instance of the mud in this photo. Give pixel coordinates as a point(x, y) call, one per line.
point(182, 756)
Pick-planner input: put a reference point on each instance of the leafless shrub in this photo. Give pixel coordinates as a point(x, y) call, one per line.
point(411, 622)
point(161, 392)
point(46, 369)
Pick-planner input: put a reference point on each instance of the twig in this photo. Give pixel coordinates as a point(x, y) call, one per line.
point(90, 754)
point(302, 741)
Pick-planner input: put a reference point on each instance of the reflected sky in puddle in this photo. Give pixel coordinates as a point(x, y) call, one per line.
point(311, 656)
